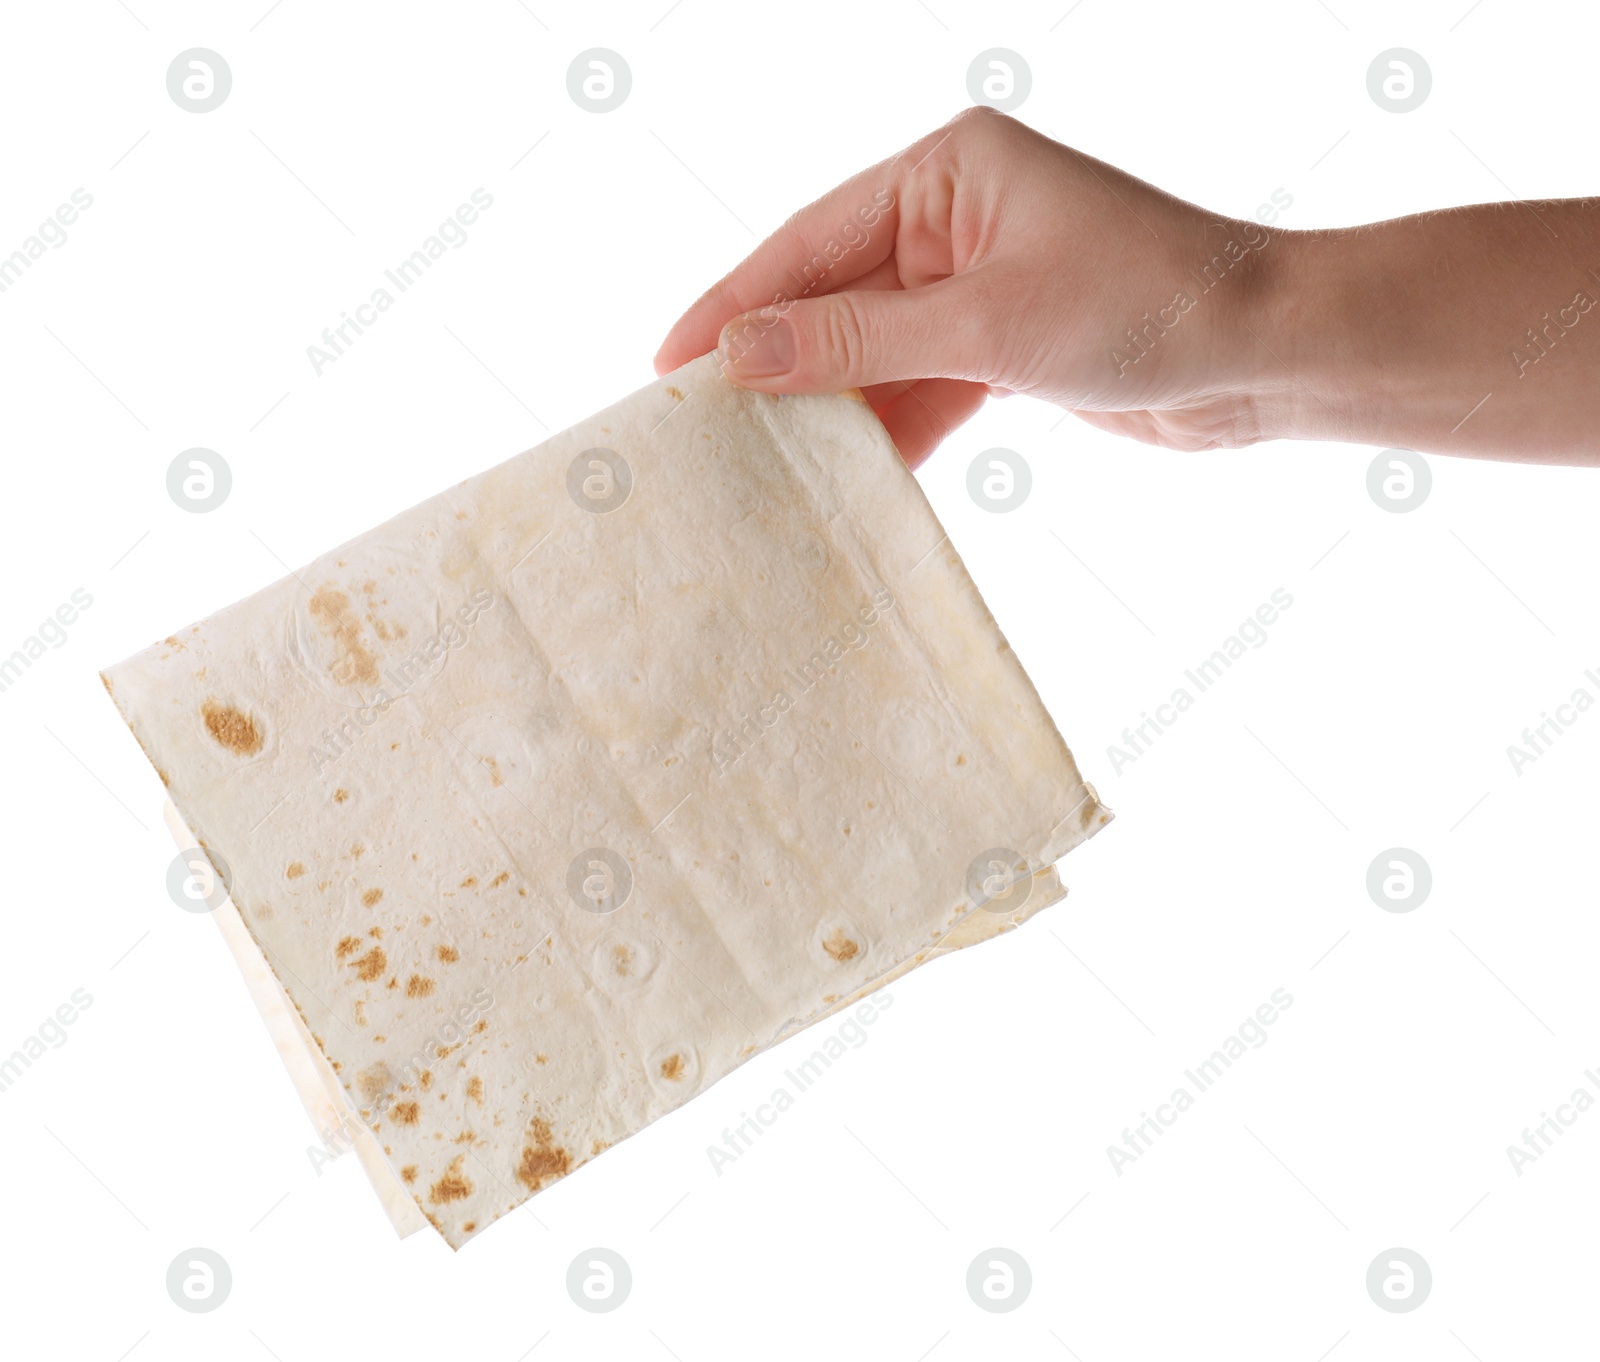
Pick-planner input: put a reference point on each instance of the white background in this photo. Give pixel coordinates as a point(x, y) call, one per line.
point(1419, 1045)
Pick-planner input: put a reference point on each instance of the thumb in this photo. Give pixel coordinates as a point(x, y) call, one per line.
point(854, 338)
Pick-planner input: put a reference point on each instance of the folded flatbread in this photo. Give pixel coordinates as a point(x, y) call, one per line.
point(553, 799)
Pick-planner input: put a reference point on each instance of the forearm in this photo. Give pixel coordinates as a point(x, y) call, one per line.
point(1468, 331)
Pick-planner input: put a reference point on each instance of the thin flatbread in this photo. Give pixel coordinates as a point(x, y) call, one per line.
point(556, 797)
point(329, 1108)
point(332, 1117)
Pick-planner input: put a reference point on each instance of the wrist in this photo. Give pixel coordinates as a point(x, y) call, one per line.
point(1310, 362)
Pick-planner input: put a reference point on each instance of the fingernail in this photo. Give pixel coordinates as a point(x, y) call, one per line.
point(755, 348)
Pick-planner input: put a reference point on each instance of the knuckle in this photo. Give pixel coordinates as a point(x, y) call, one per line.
point(844, 334)
point(980, 121)
point(973, 113)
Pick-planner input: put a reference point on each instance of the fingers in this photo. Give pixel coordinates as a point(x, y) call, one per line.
point(843, 236)
point(855, 338)
point(826, 245)
point(920, 417)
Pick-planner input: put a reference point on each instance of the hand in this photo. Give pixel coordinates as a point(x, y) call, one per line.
point(985, 258)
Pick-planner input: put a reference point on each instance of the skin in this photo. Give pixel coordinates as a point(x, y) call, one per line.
point(987, 259)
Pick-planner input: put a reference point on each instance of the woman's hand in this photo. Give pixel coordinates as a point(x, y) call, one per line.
point(987, 258)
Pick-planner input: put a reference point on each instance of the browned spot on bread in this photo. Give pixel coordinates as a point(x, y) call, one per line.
point(340, 795)
point(371, 1083)
point(331, 610)
point(375, 931)
point(409, 1173)
point(469, 881)
point(961, 758)
point(406, 1113)
point(357, 850)
point(371, 897)
point(449, 954)
point(499, 879)
point(541, 1059)
point(231, 727)
point(471, 1224)
point(1088, 815)
point(427, 919)
point(672, 1067)
point(445, 1051)
point(674, 392)
point(453, 1186)
point(295, 871)
point(541, 1161)
point(840, 946)
point(418, 987)
point(475, 1089)
point(622, 959)
point(481, 1027)
point(348, 945)
point(372, 964)
point(425, 1079)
